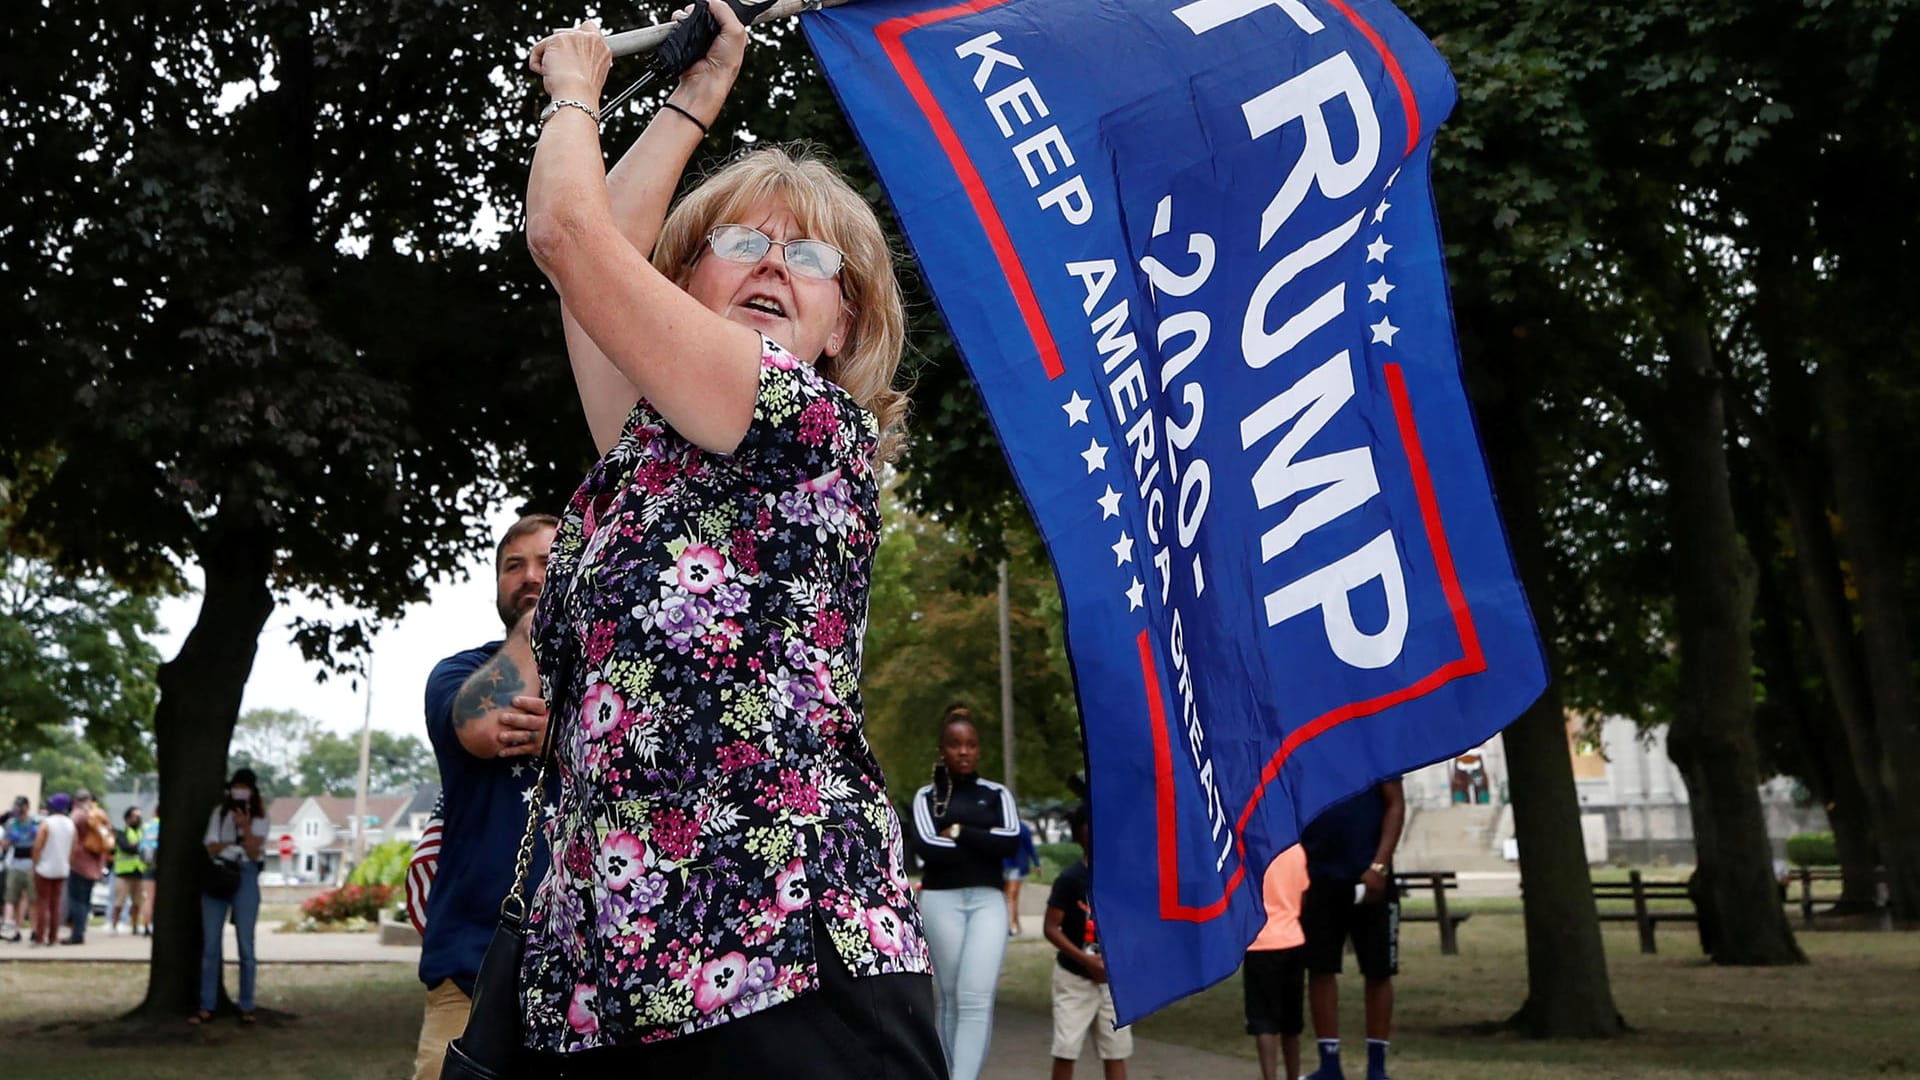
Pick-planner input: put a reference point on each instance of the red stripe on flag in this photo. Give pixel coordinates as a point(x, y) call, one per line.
point(890, 33)
point(1407, 101)
point(421, 869)
point(1471, 662)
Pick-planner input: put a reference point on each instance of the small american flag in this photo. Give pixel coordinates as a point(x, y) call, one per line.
point(424, 864)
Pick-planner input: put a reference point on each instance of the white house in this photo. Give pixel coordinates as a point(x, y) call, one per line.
point(319, 829)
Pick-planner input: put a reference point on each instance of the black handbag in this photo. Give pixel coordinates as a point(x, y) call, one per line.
point(492, 1047)
point(221, 878)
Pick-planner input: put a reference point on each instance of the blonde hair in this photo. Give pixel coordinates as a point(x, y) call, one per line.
point(825, 207)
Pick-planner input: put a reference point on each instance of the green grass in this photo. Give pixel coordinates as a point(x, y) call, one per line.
point(318, 1021)
point(1851, 1012)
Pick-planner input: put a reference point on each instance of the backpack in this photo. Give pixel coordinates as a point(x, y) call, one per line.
point(96, 837)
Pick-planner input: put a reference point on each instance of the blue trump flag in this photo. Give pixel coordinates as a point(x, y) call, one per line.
point(1188, 251)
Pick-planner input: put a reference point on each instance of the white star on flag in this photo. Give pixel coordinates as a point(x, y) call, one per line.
point(1377, 292)
point(1135, 596)
point(518, 768)
point(527, 796)
point(1076, 409)
point(1095, 455)
point(1380, 212)
point(1123, 550)
point(1109, 504)
point(1383, 332)
point(1377, 251)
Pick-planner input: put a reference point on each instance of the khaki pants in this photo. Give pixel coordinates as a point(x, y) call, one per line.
point(126, 893)
point(1082, 1007)
point(447, 1008)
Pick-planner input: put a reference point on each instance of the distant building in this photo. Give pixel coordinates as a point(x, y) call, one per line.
point(1633, 803)
point(320, 829)
point(15, 784)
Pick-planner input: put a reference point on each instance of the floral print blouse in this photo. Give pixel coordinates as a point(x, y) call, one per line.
point(699, 642)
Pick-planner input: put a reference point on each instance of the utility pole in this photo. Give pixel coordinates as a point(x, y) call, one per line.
point(360, 791)
point(1006, 690)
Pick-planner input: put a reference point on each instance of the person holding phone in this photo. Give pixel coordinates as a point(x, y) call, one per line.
point(236, 834)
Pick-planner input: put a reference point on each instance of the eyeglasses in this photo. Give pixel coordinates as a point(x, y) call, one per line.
point(746, 244)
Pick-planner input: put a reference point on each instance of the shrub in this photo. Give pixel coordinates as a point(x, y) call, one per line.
point(1812, 849)
point(384, 865)
point(1055, 858)
point(348, 902)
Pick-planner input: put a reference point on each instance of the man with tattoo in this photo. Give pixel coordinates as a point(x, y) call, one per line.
point(486, 721)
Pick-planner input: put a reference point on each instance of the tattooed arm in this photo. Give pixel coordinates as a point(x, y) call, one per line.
point(498, 711)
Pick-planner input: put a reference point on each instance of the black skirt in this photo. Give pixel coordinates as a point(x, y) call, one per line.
point(880, 1027)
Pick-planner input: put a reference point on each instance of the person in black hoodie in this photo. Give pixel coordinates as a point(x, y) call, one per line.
point(964, 827)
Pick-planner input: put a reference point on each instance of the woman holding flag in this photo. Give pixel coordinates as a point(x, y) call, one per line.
point(727, 893)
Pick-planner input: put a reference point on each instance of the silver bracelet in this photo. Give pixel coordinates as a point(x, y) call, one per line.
point(557, 104)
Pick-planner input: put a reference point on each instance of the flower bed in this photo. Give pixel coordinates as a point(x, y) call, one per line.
point(349, 902)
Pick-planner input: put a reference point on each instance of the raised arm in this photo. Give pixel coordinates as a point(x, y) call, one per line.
point(639, 190)
point(625, 322)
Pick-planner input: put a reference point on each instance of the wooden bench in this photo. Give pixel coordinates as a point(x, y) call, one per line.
point(1439, 882)
point(1642, 893)
point(1807, 875)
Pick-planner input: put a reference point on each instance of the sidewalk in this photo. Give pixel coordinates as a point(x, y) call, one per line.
point(271, 945)
point(1023, 1047)
point(1023, 1040)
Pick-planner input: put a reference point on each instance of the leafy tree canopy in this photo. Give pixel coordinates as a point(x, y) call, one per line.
point(274, 743)
point(931, 644)
point(74, 650)
point(395, 763)
point(65, 760)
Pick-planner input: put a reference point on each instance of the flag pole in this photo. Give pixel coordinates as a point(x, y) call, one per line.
point(647, 39)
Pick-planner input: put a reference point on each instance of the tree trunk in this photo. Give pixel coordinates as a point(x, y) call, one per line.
point(1854, 838)
point(1569, 993)
point(199, 701)
point(1877, 574)
point(1823, 592)
point(1712, 738)
point(1786, 319)
point(1810, 736)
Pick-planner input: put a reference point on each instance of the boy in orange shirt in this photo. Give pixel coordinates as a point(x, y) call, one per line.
point(1273, 975)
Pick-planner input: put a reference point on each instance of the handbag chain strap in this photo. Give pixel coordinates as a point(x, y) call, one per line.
point(514, 907)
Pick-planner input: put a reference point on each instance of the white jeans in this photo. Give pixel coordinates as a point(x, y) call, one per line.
point(967, 935)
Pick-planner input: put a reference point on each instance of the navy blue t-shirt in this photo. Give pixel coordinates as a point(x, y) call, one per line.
point(485, 814)
point(1341, 842)
point(1072, 894)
